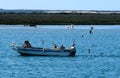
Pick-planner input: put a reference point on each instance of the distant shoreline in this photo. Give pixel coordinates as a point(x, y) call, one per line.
point(59, 19)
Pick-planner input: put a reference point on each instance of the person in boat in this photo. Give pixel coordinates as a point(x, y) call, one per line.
point(62, 47)
point(54, 46)
point(73, 46)
point(27, 44)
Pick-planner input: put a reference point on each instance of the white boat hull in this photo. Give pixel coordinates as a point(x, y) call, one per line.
point(45, 52)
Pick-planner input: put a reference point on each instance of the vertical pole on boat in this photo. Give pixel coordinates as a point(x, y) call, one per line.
point(42, 41)
point(74, 41)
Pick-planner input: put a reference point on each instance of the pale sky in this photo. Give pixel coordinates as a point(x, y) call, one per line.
point(61, 4)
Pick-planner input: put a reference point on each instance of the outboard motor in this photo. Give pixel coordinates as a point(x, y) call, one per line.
point(73, 51)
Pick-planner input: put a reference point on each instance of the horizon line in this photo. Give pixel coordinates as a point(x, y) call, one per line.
point(59, 9)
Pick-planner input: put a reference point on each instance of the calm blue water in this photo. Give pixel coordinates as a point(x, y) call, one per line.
point(103, 60)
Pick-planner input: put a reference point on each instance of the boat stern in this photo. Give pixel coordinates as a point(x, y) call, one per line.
point(72, 51)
